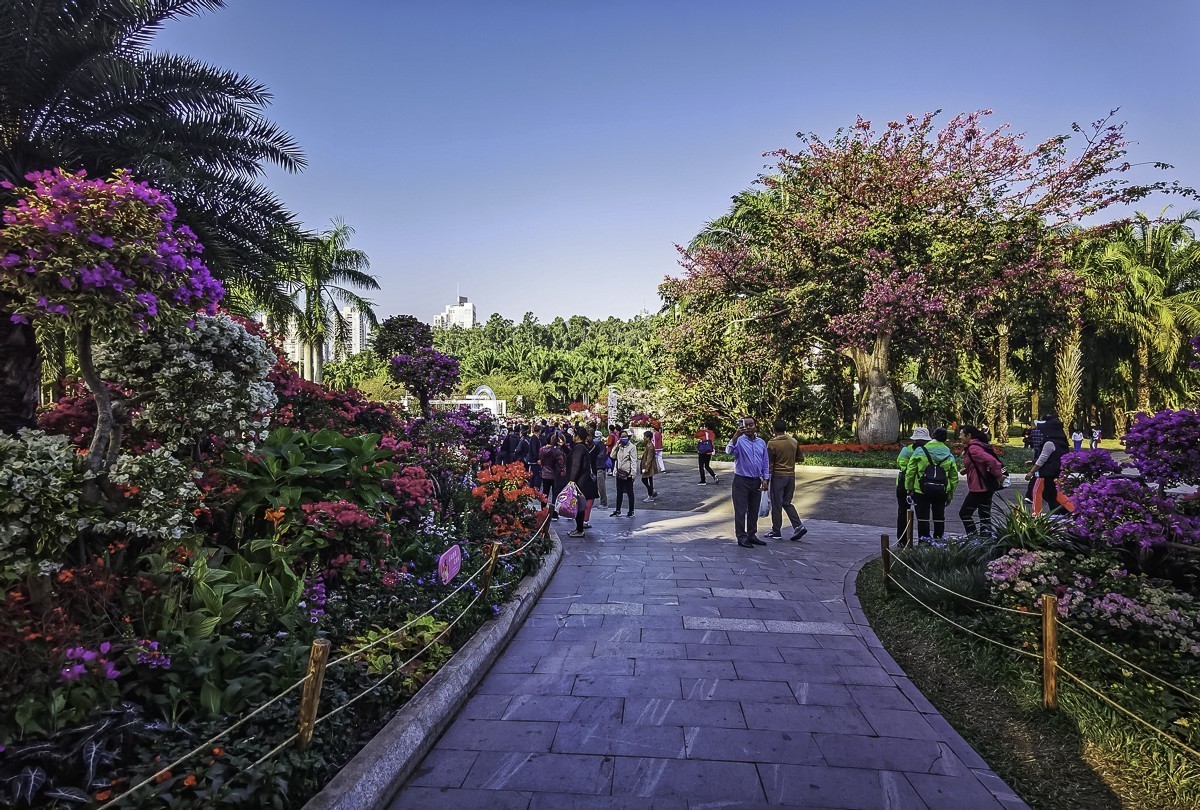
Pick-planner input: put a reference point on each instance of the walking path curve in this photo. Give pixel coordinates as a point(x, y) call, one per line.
point(665, 667)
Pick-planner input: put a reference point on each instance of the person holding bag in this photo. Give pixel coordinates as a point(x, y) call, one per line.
point(649, 467)
point(553, 465)
point(625, 468)
point(706, 442)
point(985, 476)
point(581, 473)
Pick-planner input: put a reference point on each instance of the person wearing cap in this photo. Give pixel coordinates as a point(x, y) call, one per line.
point(931, 452)
point(625, 469)
point(751, 477)
point(904, 506)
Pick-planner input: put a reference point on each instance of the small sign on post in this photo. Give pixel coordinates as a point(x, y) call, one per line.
point(449, 564)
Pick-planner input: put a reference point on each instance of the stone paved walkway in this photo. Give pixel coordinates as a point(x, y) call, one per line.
point(665, 667)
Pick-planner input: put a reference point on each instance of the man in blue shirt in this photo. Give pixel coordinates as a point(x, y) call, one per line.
point(751, 477)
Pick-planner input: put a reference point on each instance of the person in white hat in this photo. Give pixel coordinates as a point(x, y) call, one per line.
point(904, 510)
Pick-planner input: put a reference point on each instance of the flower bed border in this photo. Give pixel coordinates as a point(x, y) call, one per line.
point(376, 774)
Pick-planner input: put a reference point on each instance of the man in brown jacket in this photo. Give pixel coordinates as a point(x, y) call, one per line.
point(783, 453)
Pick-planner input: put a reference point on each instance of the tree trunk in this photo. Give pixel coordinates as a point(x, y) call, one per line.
point(1034, 402)
point(1001, 427)
point(98, 452)
point(318, 367)
point(846, 395)
point(20, 372)
point(1143, 376)
point(878, 414)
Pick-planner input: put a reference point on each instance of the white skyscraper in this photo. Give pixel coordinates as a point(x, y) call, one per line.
point(360, 334)
point(460, 314)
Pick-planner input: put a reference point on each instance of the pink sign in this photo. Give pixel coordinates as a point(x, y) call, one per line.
point(449, 564)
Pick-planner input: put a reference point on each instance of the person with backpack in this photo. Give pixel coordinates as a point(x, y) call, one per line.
point(1043, 477)
point(931, 478)
point(985, 476)
point(904, 509)
point(706, 442)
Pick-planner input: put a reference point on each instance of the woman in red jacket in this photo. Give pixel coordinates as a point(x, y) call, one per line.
point(985, 475)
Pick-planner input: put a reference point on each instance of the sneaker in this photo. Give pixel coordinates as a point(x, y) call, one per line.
point(775, 535)
point(745, 544)
point(587, 525)
point(616, 513)
point(798, 534)
point(756, 541)
point(703, 483)
point(629, 514)
point(716, 480)
point(574, 534)
point(648, 499)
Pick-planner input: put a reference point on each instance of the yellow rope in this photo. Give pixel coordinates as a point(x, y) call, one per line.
point(964, 629)
point(1127, 713)
point(167, 769)
point(1129, 664)
point(398, 669)
point(528, 542)
point(1025, 613)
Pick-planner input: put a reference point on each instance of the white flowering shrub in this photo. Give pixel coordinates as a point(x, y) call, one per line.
point(209, 380)
point(161, 496)
point(41, 505)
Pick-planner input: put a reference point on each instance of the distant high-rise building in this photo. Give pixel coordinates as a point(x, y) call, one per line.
point(460, 314)
point(360, 334)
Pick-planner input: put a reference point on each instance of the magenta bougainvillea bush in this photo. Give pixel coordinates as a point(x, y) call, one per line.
point(1165, 447)
point(1122, 511)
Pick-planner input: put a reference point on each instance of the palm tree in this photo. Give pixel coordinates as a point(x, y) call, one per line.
point(79, 90)
point(1153, 272)
point(320, 264)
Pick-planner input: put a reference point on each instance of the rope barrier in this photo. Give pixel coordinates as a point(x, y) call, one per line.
point(529, 542)
point(400, 668)
point(206, 744)
point(897, 558)
point(1129, 664)
point(1105, 698)
point(1036, 656)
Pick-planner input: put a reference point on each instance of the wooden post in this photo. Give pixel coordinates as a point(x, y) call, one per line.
point(487, 573)
point(1050, 651)
point(885, 551)
point(310, 698)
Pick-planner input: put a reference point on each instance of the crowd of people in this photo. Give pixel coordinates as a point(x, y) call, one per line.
point(557, 453)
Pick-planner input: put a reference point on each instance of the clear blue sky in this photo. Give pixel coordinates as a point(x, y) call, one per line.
point(546, 155)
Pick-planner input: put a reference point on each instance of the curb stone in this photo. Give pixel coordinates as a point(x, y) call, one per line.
point(988, 778)
point(373, 778)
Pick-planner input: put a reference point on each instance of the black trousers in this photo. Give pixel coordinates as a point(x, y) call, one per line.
point(981, 501)
point(903, 513)
point(648, 483)
point(783, 488)
point(624, 487)
point(746, 499)
point(936, 505)
point(706, 464)
point(551, 487)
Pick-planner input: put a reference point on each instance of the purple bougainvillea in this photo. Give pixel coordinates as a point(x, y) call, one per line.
point(1165, 447)
point(1125, 512)
point(1087, 465)
point(427, 373)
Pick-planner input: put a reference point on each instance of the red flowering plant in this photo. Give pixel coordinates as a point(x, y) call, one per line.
point(512, 506)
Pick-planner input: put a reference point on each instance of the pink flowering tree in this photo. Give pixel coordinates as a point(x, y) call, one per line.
point(427, 373)
point(884, 244)
point(104, 257)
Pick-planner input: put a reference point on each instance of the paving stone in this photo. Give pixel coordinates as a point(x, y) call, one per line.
point(563, 773)
point(624, 686)
point(950, 793)
point(679, 778)
point(809, 628)
point(728, 652)
point(707, 713)
point(752, 745)
point(781, 640)
point(682, 636)
point(502, 684)
point(782, 717)
point(574, 801)
point(553, 708)
point(889, 754)
point(423, 798)
point(733, 689)
point(606, 609)
point(499, 735)
point(843, 788)
point(443, 767)
point(745, 593)
point(717, 623)
point(821, 694)
point(767, 671)
point(485, 707)
point(620, 740)
point(893, 723)
point(601, 665)
point(881, 697)
point(861, 657)
point(636, 649)
point(685, 668)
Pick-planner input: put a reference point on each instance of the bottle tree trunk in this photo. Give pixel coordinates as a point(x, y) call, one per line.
point(1001, 427)
point(1143, 376)
point(878, 414)
point(20, 373)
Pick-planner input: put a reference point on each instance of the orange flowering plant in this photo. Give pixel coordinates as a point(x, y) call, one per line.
point(504, 495)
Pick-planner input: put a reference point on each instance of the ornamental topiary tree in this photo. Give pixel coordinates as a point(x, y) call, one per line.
point(107, 257)
point(427, 373)
point(883, 245)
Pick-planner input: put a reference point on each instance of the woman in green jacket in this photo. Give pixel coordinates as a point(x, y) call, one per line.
point(903, 508)
point(930, 478)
